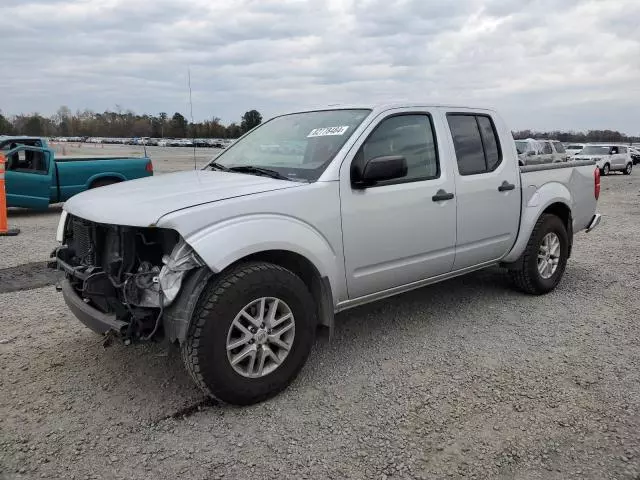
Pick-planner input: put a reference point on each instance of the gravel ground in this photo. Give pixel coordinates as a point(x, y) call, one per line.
point(465, 379)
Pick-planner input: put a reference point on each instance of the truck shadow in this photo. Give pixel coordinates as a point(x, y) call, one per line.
point(16, 212)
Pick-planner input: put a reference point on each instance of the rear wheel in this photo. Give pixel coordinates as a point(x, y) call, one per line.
point(544, 260)
point(627, 170)
point(251, 333)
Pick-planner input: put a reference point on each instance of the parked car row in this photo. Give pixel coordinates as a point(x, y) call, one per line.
point(160, 142)
point(609, 157)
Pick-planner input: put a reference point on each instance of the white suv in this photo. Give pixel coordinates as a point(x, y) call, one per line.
point(608, 158)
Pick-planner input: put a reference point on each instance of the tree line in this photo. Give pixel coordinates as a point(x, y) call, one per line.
point(123, 124)
point(578, 137)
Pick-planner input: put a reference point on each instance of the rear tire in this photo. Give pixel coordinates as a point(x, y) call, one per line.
point(528, 276)
point(627, 170)
point(208, 350)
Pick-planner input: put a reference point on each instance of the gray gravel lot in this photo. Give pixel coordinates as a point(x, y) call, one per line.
point(465, 379)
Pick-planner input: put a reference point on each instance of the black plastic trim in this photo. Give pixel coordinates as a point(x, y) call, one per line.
point(97, 321)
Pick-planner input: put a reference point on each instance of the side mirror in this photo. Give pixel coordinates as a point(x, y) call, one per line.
point(530, 153)
point(379, 169)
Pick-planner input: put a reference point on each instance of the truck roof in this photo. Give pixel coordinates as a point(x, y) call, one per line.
point(384, 106)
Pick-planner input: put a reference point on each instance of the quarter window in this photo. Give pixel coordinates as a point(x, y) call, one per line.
point(476, 143)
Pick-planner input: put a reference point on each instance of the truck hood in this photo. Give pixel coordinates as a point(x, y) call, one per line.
point(142, 202)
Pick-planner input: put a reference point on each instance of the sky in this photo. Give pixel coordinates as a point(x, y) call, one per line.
point(543, 64)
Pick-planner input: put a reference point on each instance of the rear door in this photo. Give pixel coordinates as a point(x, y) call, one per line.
point(28, 177)
point(623, 154)
point(547, 152)
point(487, 187)
point(560, 154)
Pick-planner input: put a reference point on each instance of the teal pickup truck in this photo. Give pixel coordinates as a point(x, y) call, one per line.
point(35, 178)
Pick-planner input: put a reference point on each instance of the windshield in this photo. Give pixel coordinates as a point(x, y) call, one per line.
point(298, 146)
point(595, 150)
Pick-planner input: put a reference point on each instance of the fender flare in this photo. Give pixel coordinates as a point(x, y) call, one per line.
point(544, 197)
point(224, 243)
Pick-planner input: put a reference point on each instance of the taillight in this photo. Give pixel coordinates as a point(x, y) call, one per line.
point(149, 167)
point(596, 182)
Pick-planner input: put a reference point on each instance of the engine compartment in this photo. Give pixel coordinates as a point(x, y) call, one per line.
point(132, 273)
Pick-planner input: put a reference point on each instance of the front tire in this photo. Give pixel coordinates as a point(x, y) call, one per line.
point(627, 170)
point(545, 258)
point(251, 333)
point(606, 169)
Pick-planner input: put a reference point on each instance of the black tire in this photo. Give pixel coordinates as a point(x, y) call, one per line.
point(526, 276)
point(204, 350)
point(627, 170)
point(606, 169)
point(103, 182)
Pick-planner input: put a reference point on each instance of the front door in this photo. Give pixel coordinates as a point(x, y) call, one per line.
point(28, 177)
point(487, 189)
point(620, 158)
point(399, 231)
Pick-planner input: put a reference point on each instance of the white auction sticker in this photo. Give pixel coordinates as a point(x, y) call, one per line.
point(325, 131)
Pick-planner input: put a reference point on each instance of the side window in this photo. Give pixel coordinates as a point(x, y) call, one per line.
point(546, 148)
point(27, 161)
point(559, 147)
point(476, 143)
point(411, 136)
point(490, 142)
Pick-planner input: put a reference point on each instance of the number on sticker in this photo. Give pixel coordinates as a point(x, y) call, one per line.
point(326, 131)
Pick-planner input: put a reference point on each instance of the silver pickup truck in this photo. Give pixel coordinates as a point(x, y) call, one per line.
point(309, 214)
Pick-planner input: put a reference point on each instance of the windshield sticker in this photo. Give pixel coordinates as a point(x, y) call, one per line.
point(326, 131)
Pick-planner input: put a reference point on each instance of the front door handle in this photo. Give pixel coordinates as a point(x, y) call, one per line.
point(442, 195)
point(506, 186)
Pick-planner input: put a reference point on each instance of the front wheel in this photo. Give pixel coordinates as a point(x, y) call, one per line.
point(627, 171)
point(606, 169)
point(545, 258)
point(251, 333)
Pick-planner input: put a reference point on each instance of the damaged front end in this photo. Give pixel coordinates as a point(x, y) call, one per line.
point(120, 279)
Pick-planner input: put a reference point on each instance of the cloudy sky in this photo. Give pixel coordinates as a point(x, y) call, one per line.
point(571, 64)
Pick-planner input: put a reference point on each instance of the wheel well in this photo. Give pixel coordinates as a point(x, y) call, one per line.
point(563, 212)
point(102, 179)
point(319, 287)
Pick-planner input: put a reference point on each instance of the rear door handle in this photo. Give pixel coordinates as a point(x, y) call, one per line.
point(442, 195)
point(506, 186)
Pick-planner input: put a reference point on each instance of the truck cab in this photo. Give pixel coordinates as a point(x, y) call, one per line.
point(29, 171)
